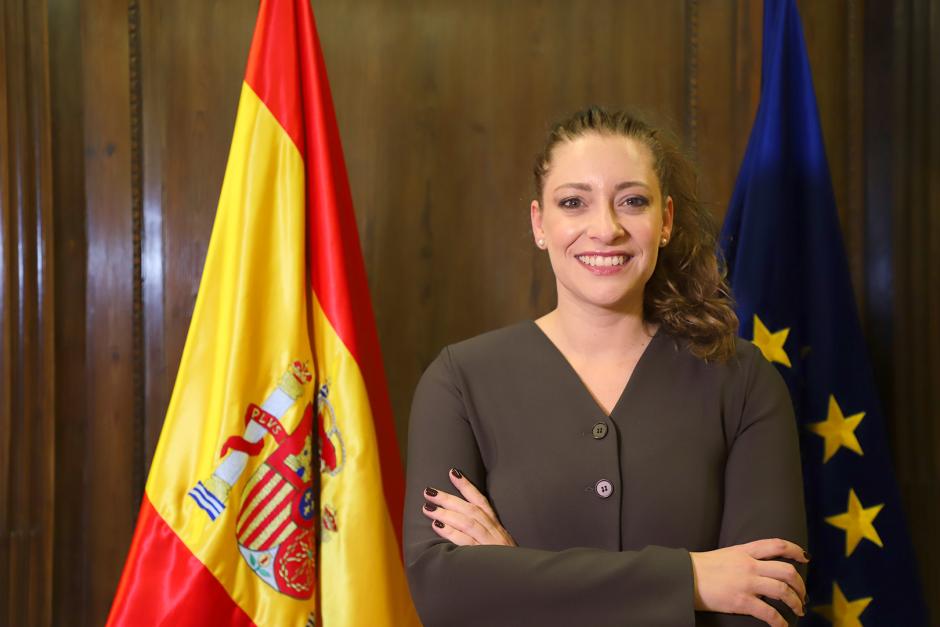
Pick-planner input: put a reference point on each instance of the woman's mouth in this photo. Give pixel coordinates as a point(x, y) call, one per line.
point(603, 264)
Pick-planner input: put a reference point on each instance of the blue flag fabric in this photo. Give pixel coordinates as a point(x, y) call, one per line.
point(789, 274)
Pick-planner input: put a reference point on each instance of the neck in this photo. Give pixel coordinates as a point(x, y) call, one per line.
point(584, 329)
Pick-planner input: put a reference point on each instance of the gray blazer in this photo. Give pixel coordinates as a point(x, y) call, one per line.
point(694, 456)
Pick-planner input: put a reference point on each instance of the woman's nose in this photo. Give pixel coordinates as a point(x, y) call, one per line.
point(605, 225)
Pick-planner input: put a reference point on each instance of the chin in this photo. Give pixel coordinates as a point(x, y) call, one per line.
point(619, 300)
point(603, 292)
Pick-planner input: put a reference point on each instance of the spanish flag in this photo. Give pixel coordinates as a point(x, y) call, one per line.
point(275, 493)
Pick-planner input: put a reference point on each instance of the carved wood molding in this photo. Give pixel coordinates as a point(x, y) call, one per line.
point(136, 157)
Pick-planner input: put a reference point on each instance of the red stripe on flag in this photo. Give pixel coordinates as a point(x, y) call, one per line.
point(276, 534)
point(165, 584)
point(262, 483)
point(246, 516)
point(273, 66)
point(287, 72)
point(283, 503)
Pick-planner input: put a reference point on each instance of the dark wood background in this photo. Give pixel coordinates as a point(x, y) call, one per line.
point(115, 122)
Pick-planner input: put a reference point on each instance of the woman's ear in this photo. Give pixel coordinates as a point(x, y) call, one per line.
point(668, 215)
point(535, 212)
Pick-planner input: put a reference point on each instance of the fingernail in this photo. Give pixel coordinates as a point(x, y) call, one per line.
point(438, 524)
point(456, 473)
point(807, 555)
point(430, 507)
point(430, 491)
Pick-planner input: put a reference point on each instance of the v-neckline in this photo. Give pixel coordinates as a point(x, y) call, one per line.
point(583, 386)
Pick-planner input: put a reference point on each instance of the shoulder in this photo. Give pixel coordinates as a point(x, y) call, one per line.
point(753, 370)
point(746, 362)
point(746, 357)
point(744, 378)
point(494, 363)
point(498, 343)
point(484, 353)
point(755, 391)
point(745, 374)
point(746, 352)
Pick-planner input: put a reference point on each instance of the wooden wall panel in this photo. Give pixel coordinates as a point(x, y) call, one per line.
point(108, 465)
point(9, 319)
point(916, 224)
point(726, 81)
point(70, 584)
point(27, 366)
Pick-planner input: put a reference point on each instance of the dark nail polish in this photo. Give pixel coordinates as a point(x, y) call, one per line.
point(430, 491)
point(430, 507)
point(456, 473)
point(806, 600)
point(438, 524)
point(807, 555)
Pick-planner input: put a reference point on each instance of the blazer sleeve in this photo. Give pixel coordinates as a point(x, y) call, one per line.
point(763, 478)
point(492, 585)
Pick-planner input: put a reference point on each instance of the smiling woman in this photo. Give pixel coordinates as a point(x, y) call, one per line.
point(622, 460)
point(686, 291)
point(604, 216)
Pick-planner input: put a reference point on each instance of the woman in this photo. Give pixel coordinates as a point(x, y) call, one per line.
point(636, 464)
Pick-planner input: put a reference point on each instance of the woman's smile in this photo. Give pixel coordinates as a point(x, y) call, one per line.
point(604, 264)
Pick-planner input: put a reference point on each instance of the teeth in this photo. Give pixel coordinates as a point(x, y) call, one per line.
point(600, 260)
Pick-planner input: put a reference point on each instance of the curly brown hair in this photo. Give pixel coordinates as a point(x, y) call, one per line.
point(687, 294)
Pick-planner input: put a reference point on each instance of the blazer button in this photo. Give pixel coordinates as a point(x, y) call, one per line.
point(604, 488)
point(599, 430)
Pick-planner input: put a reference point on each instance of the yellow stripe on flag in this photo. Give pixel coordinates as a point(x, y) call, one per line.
point(352, 496)
point(249, 323)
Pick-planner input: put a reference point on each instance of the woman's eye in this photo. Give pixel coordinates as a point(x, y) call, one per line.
point(571, 203)
point(636, 201)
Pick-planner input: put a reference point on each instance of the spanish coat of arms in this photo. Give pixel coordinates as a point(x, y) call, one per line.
point(277, 523)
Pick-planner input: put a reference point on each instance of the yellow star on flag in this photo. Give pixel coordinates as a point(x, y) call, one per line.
point(837, 430)
point(842, 612)
point(857, 523)
point(771, 344)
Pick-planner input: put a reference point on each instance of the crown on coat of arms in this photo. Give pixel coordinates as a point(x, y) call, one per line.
point(292, 381)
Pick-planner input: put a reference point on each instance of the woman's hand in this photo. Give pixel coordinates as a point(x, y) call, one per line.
point(733, 580)
point(464, 522)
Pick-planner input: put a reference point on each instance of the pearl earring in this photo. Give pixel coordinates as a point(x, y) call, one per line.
point(541, 243)
point(663, 242)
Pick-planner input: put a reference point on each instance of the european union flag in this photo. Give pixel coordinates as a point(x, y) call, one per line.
point(788, 272)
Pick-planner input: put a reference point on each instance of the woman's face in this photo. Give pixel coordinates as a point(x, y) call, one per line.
point(602, 219)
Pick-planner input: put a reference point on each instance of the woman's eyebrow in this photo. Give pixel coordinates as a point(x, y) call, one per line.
point(622, 185)
point(626, 184)
point(582, 186)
